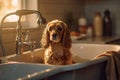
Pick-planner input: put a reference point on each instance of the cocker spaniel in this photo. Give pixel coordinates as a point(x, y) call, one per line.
point(57, 43)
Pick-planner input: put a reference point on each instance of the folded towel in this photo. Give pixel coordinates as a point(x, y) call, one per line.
point(113, 65)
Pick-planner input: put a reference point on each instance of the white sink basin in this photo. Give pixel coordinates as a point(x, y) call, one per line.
point(80, 52)
point(83, 54)
point(89, 51)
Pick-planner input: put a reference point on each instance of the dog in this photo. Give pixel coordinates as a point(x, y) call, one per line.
point(56, 41)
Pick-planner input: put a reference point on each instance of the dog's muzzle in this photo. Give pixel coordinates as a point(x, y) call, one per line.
point(55, 37)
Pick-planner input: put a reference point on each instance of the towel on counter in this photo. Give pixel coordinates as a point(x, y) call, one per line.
point(113, 65)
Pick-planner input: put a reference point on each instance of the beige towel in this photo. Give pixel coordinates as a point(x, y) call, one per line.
point(113, 65)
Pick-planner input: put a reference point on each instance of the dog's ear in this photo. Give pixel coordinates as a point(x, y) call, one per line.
point(66, 39)
point(45, 38)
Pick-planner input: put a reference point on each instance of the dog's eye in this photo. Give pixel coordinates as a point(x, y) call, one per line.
point(59, 28)
point(50, 28)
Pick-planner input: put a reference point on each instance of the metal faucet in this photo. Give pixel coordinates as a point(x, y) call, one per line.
point(19, 37)
point(20, 42)
point(27, 41)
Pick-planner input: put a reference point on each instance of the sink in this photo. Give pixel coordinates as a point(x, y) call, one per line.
point(80, 53)
point(83, 55)
point(14, 71)
point(38, 57)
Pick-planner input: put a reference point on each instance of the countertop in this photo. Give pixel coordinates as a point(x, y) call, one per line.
point(99, 40)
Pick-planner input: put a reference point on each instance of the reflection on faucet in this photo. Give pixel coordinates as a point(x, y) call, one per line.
point(20, 43)
point(29, 43)
point(19, 37)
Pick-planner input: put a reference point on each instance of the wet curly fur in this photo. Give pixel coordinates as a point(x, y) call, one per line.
point(57, 43)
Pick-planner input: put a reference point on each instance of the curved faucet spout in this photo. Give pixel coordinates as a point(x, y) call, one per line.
point(41, 19)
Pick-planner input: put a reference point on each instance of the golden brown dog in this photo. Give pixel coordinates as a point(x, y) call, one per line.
point(57, 43)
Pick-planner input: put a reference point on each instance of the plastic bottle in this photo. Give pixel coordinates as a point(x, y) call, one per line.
point(82, 25)
point(97, 24)
point(107, 24)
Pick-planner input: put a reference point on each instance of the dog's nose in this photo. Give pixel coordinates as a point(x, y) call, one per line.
point(54, 35)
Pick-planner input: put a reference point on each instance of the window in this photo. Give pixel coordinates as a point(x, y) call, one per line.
point(7, 6)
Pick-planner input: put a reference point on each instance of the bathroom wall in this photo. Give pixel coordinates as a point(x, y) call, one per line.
point(91, 6)
point(58, 9)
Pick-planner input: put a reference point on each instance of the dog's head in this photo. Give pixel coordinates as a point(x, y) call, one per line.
point(56, 31)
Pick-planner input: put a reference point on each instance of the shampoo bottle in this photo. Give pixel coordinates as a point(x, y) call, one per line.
point(97, 24)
